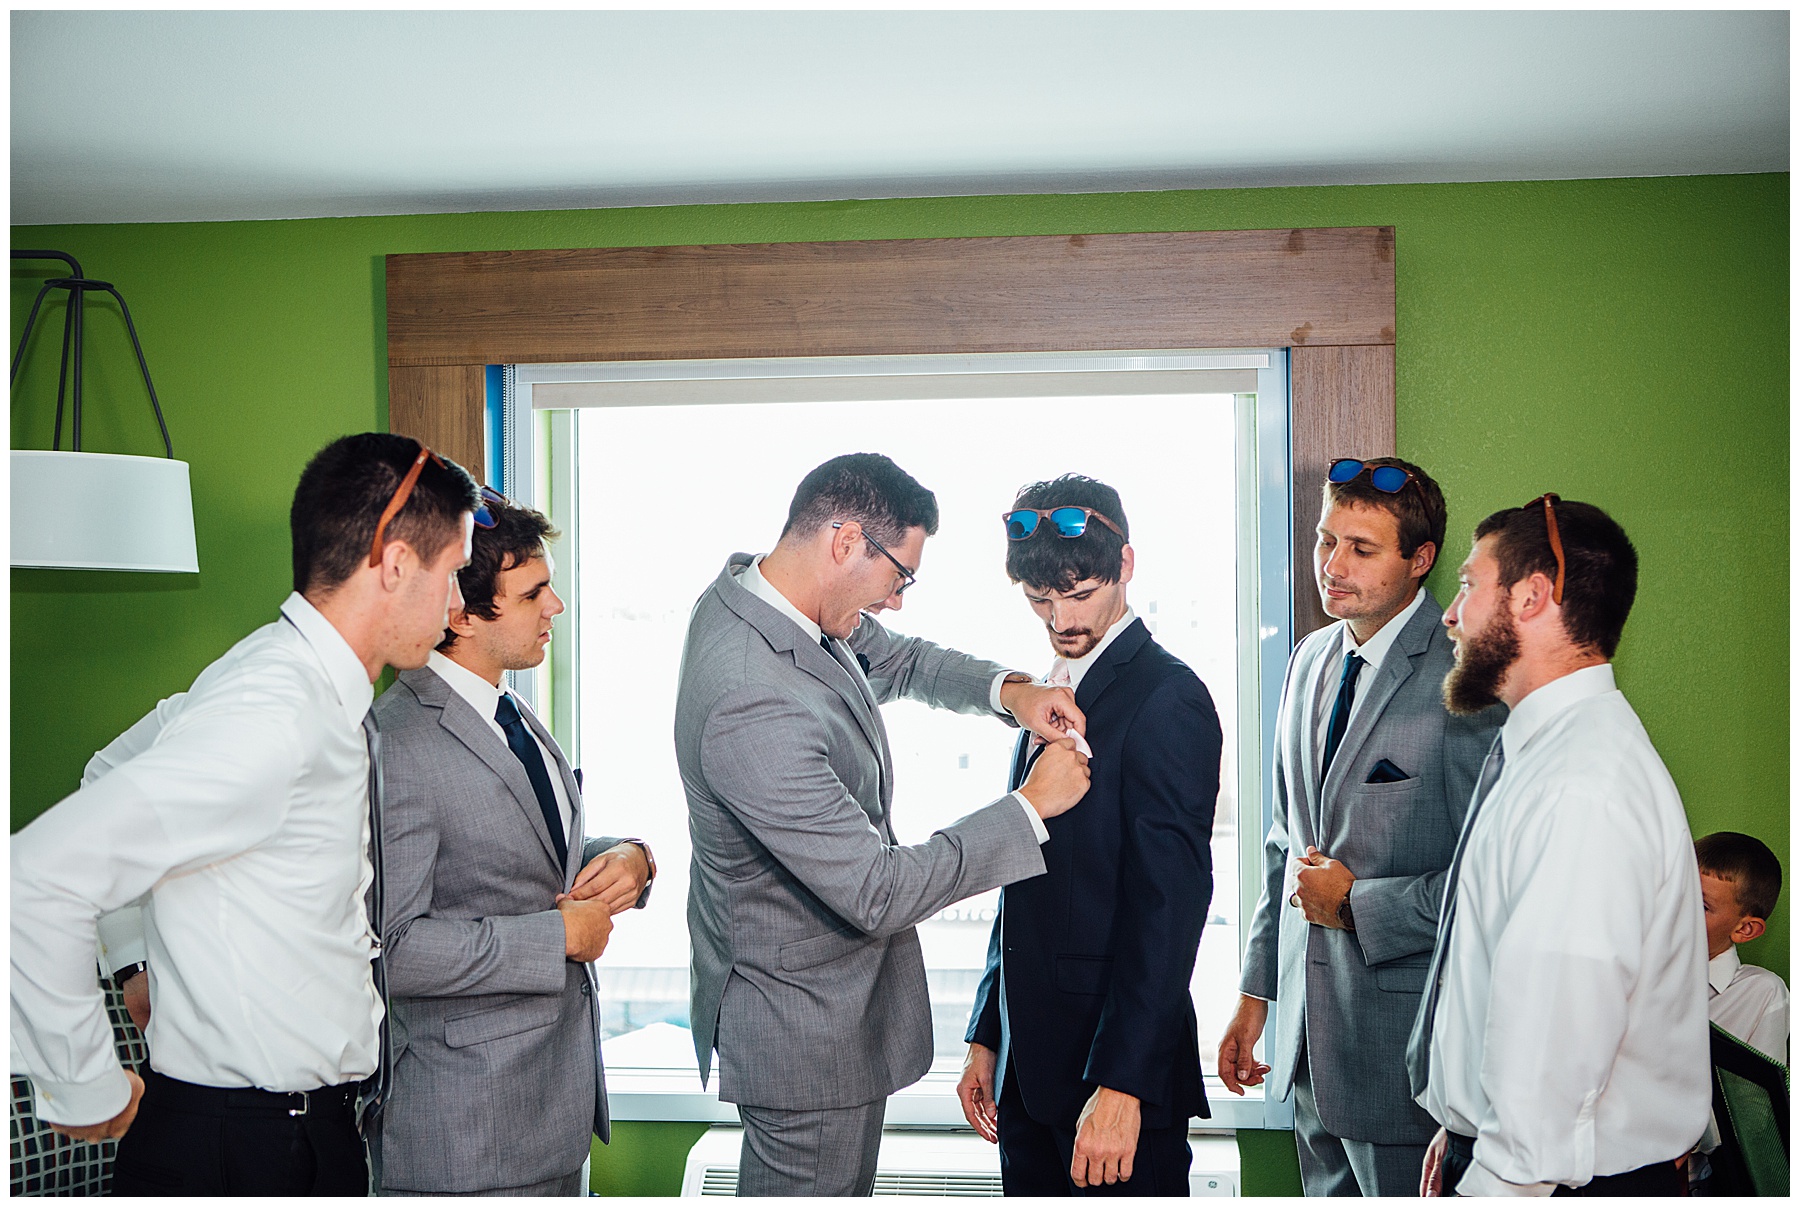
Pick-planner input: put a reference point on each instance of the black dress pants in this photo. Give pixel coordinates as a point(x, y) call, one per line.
point(205, 1140)
point(1657, 1179)
point(1034, 1157)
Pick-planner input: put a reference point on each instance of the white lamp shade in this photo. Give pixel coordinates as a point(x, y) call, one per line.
point(102, 511)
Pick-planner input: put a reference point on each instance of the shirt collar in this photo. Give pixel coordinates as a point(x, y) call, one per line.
point(1534, 711)
point(1079, 667)
point(753, 582)
point(1722, 969)
point(1374, 651)
point(344, 670)
point(482, 696)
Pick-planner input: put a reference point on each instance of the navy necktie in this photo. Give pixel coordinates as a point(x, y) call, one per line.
point(523, 745)
point(374, 1090)
point(1418, 1045)
point(1340, 712)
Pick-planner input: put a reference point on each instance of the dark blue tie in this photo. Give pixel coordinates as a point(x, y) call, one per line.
point(1340, 712)
point(526, 748)
point(374, 1090)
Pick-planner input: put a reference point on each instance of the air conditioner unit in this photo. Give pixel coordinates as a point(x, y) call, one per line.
point(938, 1164)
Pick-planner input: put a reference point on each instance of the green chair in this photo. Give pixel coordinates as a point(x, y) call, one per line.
point(1750, 1102)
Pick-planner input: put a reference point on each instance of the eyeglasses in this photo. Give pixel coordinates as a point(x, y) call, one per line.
point(1070, 522)
point(1388, 479)
point(908, 578)
point(484, 517)
point(1549, 500)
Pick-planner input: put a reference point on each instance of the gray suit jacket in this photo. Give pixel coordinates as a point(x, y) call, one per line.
point(1355, 994)
point(497, 1077)
point(807, 975)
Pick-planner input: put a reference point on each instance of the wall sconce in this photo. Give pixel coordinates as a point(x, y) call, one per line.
point(96, 511)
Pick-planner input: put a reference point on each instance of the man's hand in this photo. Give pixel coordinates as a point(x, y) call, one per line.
point(1049, 712)
point(615, 876)
point(1106, 1136)
point(113, 1128)
point(136, 991)
point(1431, 1174)
point(976, 1089)
point(1323, 885)
point(1058, 779)
point(587, 925)
point(1238, 1066)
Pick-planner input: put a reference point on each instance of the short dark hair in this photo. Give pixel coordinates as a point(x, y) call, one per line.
point(518, 535)
point(1419, 509)
point(343, 491)
point(868, 488)
point(1749, 865)
point(1046, 561)
point(1600, 575)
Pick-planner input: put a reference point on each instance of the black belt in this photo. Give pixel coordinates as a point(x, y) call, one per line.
point(1656, 1178)
point(192, 1099)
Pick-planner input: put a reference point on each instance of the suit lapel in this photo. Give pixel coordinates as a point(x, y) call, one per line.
point(1302, 721)
point(571, 789)
point(1395, 670)
point(783, 635)
point(1100, 676)
point(463, 723)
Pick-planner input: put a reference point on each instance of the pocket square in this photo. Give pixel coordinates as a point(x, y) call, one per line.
point(1386, 773)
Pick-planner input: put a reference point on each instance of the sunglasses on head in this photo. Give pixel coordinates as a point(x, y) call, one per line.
point(1549, 501)
point(1069, 522)
point(484, 516)
point(1388, 479)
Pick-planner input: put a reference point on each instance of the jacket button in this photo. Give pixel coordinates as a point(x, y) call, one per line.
point(585, 987)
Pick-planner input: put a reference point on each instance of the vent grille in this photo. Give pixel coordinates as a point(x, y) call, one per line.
point(721, 1181)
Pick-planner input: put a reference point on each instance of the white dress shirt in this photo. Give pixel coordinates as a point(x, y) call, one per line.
point(241, 808)
point(753, 582)
point(1749, 1002)
point(1373, 652)
point(484, 698)
point(1571, 1033)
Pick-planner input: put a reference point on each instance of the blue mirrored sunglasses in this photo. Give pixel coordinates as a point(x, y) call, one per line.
point(1069, 522)
point(484, 515)
point(1389, 479)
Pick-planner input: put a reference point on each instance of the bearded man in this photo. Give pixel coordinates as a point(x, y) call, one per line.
point(1563, 1042)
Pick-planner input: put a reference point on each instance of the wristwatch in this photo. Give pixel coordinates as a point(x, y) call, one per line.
point(649, 858)
point(1344, 916)
point(126, 973)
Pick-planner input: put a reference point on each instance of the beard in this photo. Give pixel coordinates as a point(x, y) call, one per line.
point(1085, 641)
point(1482, 660)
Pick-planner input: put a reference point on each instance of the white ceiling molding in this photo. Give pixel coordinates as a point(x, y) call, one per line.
point(138, 116)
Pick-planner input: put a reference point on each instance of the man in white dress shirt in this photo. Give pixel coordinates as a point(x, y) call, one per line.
point(238, 811)
point(1562, 1042)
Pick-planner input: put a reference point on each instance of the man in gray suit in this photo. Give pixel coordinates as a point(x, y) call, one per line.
point(807, 973)
point(497, 1081)
point(1372, 778)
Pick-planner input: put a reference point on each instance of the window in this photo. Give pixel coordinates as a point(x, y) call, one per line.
point(658, 472)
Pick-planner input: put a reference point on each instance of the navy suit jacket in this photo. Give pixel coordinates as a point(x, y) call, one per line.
point(1088, 965)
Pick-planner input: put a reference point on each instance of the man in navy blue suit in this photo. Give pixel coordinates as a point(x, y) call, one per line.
point(1083, 1063)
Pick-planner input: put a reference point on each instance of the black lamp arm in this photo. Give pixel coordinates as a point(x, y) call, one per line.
point(78, 286)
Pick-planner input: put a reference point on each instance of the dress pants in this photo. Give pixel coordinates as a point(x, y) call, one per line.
point(1034, 1156)
point(1333, 1166)
point(811, 1153)
point(1654, 1180)
point(205, 1140)
point(567, 1186)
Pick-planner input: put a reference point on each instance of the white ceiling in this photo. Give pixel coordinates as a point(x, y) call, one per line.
point(157, 116)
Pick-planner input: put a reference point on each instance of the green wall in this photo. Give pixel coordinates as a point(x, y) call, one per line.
point(1623, 342)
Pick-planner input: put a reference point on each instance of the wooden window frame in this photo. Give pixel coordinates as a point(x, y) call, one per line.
point(1327, 294)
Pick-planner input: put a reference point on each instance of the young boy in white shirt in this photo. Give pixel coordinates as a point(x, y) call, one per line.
point(1740, 879)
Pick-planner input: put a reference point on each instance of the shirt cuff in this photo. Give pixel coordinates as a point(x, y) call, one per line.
point(82, 1103)
point(994, 704)
point(1482, 1182)
point(1037, 823)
